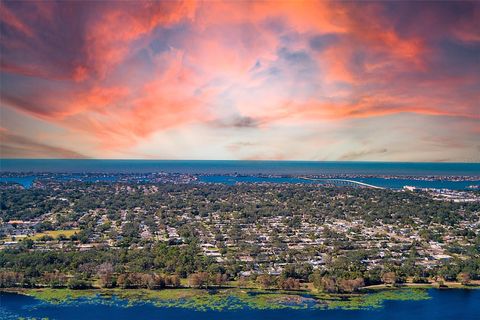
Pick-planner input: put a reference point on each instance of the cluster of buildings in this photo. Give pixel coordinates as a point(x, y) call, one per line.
point(261, 241)
point(260, 226)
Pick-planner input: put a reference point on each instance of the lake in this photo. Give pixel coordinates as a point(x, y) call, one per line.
point(441, 305)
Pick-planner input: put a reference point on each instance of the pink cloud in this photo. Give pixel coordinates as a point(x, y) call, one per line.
point(94, 69)
point(8, 17)
point(108, 40)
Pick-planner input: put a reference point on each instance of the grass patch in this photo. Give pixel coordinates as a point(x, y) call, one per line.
point(376, 299)
point(54, 234)
point(59, 295)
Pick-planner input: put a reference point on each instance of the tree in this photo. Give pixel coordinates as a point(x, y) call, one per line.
point(328, 284)
point(124, 281)
point(105, 274)
point(78, 284)
point(153, 281)
point(28, 243)
point(288, 283)
point(373, 276)
point(199, 280)
point(389, 278)
point(316, 279)
point(464, 278)
point(11, 279)
point(350, 285)
point(242, 282)
point(55, 279)
point(172, 281)
point(265, 281)
point(219, 279)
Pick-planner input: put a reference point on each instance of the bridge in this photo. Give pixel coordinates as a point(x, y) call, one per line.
point(343, 182)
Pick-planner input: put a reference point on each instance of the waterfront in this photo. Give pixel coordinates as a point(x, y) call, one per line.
point(388, 183)
point(27, 181)
point(389, 175)
point(439, 304)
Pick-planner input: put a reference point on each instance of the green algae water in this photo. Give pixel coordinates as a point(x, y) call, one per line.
point(390, 304)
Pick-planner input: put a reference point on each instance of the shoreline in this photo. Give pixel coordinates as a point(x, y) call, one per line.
point(475, 284)
point(306, 289)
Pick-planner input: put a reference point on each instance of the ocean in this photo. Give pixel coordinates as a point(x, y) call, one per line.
point(241, 167)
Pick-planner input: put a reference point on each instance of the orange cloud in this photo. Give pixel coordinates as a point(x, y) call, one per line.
point(65, 103)
point(16, 146)
point(371, 106)
point(122, 71)
point(109, 39)
point(167, 101)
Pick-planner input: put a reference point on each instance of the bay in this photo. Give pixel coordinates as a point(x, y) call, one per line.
point(388, 183)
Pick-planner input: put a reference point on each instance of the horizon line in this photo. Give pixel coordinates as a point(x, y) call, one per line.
point(240, 160)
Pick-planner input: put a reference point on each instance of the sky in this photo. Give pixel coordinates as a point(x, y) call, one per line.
point(279, 80)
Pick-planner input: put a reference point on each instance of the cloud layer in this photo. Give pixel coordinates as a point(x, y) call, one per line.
point(245, 80)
